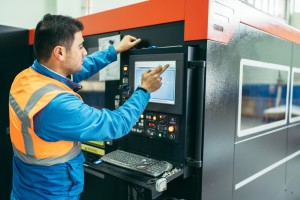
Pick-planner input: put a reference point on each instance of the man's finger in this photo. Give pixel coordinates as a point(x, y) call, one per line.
point(156, 70)
point(148, 71)
point(159, 70)
point(164, 68)
point(136, 41)
point(131, 37)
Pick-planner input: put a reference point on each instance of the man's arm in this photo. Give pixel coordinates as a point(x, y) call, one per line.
point(66, 117)
point(100, 59)
point(94, 63)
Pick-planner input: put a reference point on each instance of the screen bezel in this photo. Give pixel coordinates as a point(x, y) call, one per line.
point(155, 106)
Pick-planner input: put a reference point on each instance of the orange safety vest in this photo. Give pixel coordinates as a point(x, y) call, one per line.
point(29, 93)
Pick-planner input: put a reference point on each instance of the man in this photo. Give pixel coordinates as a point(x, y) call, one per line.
point(48, 119)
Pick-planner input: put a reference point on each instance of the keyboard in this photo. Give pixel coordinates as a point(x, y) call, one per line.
point(137, 163)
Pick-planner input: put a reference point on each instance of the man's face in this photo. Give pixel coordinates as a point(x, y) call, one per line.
point(75, 55)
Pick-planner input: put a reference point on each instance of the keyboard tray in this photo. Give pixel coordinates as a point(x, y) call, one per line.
point(145, 165)
point(130, 176)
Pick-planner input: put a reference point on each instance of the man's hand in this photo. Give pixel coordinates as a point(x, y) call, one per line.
point(151, 79)
point(126, 43)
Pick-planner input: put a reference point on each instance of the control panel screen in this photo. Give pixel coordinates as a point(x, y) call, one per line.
point(166, 93)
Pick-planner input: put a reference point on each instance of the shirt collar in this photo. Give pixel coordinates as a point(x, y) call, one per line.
point(52, 74)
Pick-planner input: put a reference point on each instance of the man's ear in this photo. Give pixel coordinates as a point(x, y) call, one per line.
point(59, 52)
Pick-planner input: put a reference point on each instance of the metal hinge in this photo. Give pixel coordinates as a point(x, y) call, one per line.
point(193, 163)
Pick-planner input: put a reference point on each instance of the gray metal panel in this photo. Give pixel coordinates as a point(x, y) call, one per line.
point(263, 188)
point(257, 154)
point(261, 46)
point(219, 119)
point(293, 166)
point(296, 57)
point(221, 104)
point(292, 191)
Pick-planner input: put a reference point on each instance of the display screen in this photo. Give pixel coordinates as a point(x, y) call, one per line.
point(166, 93)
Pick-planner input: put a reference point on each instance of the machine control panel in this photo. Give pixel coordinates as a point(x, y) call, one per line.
point(157, 126)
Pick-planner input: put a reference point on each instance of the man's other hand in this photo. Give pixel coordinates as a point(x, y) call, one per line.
point(126, 43)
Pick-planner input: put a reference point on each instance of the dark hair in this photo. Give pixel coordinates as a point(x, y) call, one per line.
point(54, 30)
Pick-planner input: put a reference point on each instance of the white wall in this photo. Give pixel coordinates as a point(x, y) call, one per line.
point(295, 20)
point(24, 13)
point(27, 13)
point(73, 8)
point(102, 5)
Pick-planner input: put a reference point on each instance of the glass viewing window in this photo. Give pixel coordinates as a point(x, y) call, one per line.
point(263, 96)
point(295, 96)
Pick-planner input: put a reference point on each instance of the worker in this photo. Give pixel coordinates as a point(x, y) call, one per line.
point(48, 119)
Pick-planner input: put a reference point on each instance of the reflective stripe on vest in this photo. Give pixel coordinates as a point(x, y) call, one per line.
point(25, 125)
point(47, 161)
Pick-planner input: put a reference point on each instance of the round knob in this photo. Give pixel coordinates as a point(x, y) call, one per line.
point(171, 136)
point(151, 133)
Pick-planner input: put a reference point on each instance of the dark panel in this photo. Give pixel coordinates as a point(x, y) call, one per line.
point(14, 56)
point(159, 35)
point(144, 145)
point(102, 186)
point(219, 120)
point(257, 154)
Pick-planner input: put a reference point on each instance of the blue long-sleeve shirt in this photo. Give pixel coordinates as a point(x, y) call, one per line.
point(67, 117)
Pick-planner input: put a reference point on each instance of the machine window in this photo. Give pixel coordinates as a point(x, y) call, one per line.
point(295, 96)
point(263, 96)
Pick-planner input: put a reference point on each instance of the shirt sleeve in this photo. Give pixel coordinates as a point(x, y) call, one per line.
point(68, 118)
point(94, 63)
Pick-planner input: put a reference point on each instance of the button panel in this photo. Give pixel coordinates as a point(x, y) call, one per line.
point(157, 126)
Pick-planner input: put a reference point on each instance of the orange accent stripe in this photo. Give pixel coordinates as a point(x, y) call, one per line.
point(196, 20)
point(137, 15)
point(261, 21)
point(146, 13)
point(31, 36)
